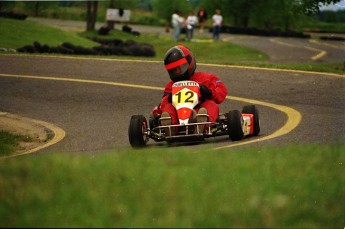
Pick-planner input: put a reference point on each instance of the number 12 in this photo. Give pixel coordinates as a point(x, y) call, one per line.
point(189, 99)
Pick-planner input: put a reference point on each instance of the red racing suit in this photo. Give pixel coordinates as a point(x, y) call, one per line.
point(212, 82)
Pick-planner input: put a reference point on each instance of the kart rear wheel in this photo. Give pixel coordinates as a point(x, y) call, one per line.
point(252, 109)
point(137, 131)
point(235, 123)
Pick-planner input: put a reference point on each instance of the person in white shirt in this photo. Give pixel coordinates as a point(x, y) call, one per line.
point(191, 22)
point(217, 23)
point(176, 22)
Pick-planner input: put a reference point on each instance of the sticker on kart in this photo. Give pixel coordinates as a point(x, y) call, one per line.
point(185, 96)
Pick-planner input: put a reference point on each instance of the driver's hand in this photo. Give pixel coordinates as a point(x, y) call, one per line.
point(170, 98)
point(205, 92)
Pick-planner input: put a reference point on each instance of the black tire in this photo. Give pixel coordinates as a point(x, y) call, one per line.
point(234, 122)
point(137, 131)
point(252, 109)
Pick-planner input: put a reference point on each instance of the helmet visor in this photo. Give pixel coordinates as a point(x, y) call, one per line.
point(178, 68)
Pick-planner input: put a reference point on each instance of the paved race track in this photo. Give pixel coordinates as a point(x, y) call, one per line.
point(93, 100)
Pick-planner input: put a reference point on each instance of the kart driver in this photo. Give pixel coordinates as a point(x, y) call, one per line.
point(180, 63)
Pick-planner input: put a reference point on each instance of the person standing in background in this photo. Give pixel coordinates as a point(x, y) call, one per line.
point(191, 22)
point(217, 20)
point(176, 22)
point(202, 15)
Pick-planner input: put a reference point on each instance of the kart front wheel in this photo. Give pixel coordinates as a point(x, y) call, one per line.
point(235, 123)
point(252, 109)
point(137, 131)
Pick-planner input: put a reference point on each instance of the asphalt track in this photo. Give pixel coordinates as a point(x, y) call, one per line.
point(92, 100)
point(294, 50)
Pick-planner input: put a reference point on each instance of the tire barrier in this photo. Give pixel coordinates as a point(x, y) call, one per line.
point(105, 30)
point(262, 32)
point(13, 15)
point(332, 38)
point(128, 29)
point(107, 47)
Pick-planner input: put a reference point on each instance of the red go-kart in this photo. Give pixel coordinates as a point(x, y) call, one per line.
point(185, 97)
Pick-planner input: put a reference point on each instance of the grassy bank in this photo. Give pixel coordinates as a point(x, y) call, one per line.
point(9, 142)
point(315, 26)
point(297, 186)
point(16, 34)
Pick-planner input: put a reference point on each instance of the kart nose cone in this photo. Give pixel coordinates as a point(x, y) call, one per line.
point(184, 114)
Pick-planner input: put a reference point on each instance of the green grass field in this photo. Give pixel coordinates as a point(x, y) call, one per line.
point(18, 33)
point(288, 187)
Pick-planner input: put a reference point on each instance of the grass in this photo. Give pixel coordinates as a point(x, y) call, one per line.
point(10, 142)
point(325, 27)
point(294, 186)
point(222, 52)
point(16, 34)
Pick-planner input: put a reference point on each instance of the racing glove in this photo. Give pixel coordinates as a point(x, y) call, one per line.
point(156, 111)
point(170, 98)
point(205, 93)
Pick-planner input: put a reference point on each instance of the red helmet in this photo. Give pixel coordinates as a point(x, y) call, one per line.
point(180, 63)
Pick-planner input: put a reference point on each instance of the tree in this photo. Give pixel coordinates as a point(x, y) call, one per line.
point(241, 12)
point(165, 8)
point(311, 7)
point(272, 14)
point(269, 14)
point(91, 15)
point(111, 24)
point(6, 5)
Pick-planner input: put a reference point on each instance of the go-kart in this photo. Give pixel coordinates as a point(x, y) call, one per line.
point(185, 97)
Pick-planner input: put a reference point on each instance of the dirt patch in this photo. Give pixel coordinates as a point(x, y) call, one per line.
point(35, 134)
